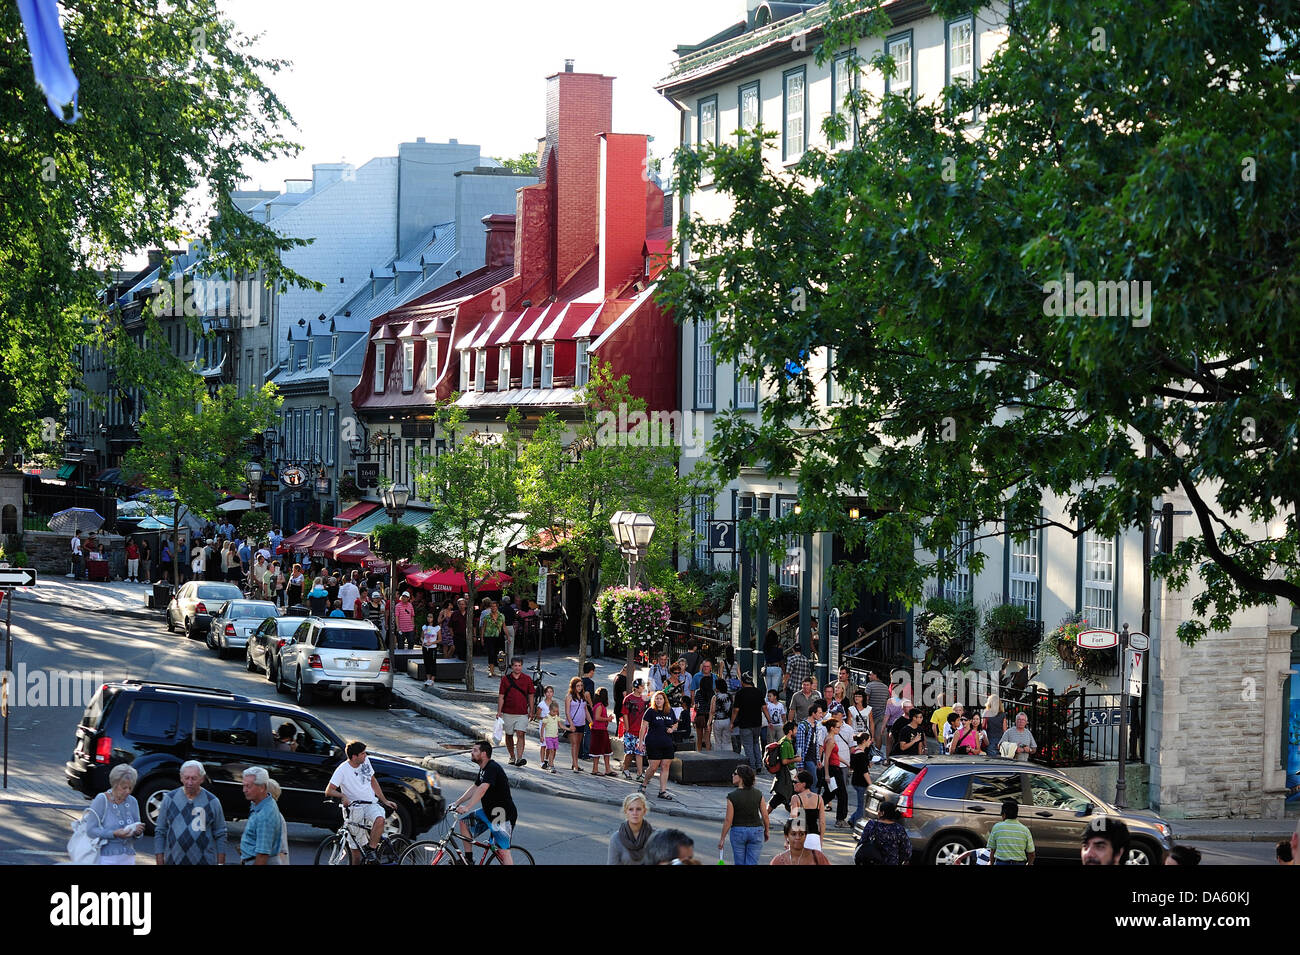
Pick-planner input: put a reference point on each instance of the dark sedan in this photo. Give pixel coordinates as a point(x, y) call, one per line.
point(264, 644)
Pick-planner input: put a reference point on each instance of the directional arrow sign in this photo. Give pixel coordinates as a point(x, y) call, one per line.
point(1098, 639)
point(17, 577)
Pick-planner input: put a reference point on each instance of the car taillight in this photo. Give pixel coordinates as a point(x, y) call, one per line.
point(200, 608)
point(279, 644)
point(905, 801)
point(230, 629)
point(314, 662)
point(103, 749)
point(384, 667)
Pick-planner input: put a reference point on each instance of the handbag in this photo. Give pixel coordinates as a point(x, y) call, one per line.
point(499, 731)
point(82, 849)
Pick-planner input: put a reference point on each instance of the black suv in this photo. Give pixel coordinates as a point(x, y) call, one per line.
point(157, 726)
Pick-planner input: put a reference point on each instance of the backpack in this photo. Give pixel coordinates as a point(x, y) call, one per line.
point(868, 853)
point(772, 757)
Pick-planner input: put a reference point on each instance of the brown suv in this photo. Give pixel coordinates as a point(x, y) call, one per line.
point(949, 804)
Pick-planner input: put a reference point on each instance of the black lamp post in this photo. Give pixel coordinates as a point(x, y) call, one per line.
point(394, 498)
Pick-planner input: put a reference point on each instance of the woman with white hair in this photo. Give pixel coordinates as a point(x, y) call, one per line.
point(273, 790)
point(115, 816)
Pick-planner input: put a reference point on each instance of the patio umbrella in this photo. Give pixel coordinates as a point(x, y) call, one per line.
point(236, 504)
point(453, 581)
point(74, 518)
point(132, 509)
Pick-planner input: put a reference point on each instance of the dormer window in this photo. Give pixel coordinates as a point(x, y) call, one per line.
point(503, 370)
point(548, 365)
point(408, 365)
point(583, 372)
point(430, 364)
point(464, 370)
point(334, 347)
point(381, 372)
point(480, 370)
point(529, 358)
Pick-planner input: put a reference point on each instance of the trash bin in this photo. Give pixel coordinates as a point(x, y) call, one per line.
point(161, 596)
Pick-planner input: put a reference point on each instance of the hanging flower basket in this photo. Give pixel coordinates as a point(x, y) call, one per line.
point(633, 617)
point(1091, 666)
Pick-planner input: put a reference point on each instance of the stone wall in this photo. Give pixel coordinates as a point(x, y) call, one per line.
point(51, 553)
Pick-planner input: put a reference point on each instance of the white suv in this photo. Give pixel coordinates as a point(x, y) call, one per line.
point(335, 655)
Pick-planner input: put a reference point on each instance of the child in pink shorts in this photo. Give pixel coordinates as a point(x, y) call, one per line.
point(548, 714)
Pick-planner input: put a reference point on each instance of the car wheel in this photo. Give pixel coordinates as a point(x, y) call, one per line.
point(171, 627)
point(150, 794)
point(382, 699)
point(278, 679)
point(189, 630)
point(1140, 853)
point(302, 692)
point(248, 660)
point(207, 640)
point(945, 848)
point(399, 821)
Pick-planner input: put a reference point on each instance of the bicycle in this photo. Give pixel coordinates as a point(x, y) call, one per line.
point(448, 850)
point(337, 849)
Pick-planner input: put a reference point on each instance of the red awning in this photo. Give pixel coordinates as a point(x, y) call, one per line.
point(453, 582)
point(345, 543)
point(303, 539)
point(357, 511)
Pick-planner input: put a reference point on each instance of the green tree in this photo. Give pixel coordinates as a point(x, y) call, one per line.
point(926, 258)
point(195, 443)
point(525, 164)
point(174, 107)
point(572, 487)
point(475, 493)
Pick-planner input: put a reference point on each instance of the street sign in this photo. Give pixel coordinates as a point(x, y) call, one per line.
point(1138, 641)
point(1098, 639)
point(722, 535)
point(293, 477)
point(17, 577)
point(833, 633)
point(367, 474)
point(1135, 672)
point(1106, 716)
point(542, 589)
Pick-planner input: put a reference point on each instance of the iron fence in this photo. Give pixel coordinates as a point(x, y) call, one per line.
point(1079, 728)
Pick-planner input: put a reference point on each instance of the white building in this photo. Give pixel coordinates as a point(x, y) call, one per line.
point(1216, 716)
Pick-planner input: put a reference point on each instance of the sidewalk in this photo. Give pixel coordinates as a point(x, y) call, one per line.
point(115, 598)
point(1233, 830)
point(449, 705)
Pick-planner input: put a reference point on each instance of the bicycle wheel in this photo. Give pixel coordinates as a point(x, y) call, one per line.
point(427, 853)
point(391, 849)
point(333, 851)
point(518, 856)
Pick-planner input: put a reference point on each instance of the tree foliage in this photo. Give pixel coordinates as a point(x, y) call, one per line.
point(1110, 151)
point(475, 495)
point(573, 482)
point(174, 105)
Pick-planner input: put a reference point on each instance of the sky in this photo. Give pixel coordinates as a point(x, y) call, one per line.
point(369, 75)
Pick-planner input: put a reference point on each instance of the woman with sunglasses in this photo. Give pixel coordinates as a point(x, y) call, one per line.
point(967, 738)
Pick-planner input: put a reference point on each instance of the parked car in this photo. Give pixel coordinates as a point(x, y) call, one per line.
point(950, 803)
point(235, 620)
point(193, 604)
point(335, 655)
point(157, 726)
point(264, 643)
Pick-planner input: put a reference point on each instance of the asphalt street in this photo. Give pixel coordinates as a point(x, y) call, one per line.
point(36, 815)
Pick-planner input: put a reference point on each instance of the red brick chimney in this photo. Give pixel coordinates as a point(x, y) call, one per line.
point(579, 106)
point(500, 240)
point(623, 208)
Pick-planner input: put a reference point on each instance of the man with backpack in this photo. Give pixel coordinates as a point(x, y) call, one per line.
point(780, 759)
point(516, 706)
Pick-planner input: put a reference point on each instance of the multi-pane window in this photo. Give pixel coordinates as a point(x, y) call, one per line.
point(900, 80)
point(793, 135)
point(430, 363)
point(1022, 574)
point(749, 107)
point(746, 385)
point(708, 122)
point(548, 365)
point(791, 556)
point(318, 435)
point(704, 363)
point(381, 355)
point(1099, 582)
point(464, 370)
point(331, 431)
point(959, 589)
point(843, 78)
point(408, 365)
point(528, 365)
point(583, 373)
point(961, 56)
point(503, 368)
point(480, 370)
point(701, 515)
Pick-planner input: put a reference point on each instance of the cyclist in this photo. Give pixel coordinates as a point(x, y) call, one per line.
point(489, 798)
point(354, 781)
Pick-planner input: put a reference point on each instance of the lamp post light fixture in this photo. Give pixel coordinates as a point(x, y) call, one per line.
point(633, 531)
point(253, 474)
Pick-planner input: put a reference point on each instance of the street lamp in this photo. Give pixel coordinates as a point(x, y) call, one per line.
point(394, 499)
point(253, 474)
point(633, 531)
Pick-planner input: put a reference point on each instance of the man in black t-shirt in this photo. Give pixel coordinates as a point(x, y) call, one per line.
point(747, 720)
point(489, 798)
point(909, 738)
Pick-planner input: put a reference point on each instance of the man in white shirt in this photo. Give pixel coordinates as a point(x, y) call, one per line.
point(354, 781)
point(78, 562)
point(349, 594)
point(199, 562)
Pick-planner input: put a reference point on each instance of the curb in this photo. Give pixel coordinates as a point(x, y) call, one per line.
point(142, 613)
point(457, 768)
point(1245, 836)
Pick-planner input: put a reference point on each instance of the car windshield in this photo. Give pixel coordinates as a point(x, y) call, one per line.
point(258, 611)
point(218, 592)
point(896, 778)
point(351, 638)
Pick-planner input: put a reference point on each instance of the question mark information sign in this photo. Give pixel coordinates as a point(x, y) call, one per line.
point(722, 536)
